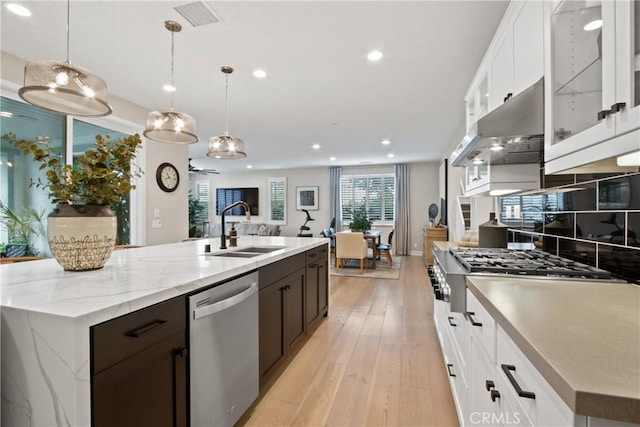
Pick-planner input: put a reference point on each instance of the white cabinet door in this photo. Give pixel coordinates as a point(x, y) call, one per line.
point(484, 397)
point(528, 46)
point(501, 73)
point(628, 65)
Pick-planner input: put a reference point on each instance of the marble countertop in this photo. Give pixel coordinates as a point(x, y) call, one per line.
point(133, 278)
point(582, 336)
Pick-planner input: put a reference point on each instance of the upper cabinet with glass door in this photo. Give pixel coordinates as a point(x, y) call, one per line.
point(591, 84)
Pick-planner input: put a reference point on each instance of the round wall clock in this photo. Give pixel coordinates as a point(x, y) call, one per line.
point(167, 177)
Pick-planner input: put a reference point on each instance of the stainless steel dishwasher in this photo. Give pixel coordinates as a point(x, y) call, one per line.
point(223, 351)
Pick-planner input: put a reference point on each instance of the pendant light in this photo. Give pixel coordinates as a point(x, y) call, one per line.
point(171, 126)
point(65, 88)
point(225, 146)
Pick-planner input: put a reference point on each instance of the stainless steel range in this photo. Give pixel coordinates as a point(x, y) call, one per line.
point(451, 268)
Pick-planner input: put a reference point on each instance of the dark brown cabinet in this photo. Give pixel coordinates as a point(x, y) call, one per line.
point(138, 366)
point(316, 285)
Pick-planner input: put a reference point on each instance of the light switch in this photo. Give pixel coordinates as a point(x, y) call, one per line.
point(156, 213)
point(156, 223)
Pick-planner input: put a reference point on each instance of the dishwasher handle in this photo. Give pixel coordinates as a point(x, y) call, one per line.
point(216, 307)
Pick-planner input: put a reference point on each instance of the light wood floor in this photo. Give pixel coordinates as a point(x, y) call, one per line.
point(374, 361)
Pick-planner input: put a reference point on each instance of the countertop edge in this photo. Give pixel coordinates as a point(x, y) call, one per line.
point(581, 402)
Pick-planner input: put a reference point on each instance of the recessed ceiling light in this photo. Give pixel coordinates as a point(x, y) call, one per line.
point(6, 114)
point(169, 88)
point(478, 161)
point(316, 146)
point(496, 147)
point(261, 74)
point(332, 158)
point(249, 166)
point(390, 155)
point(593, 25)
point(386, 142)
point(18, 9)
point(374, 55)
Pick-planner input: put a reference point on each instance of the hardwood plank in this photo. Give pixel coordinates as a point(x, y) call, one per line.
point(383, 408)
point(415, 369)
point(272, 413)
point(373, 325)
point(416, 407)
point(317, 403)
point(350, 402)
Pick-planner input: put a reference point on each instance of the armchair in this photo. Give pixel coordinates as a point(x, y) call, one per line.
point(351, 245)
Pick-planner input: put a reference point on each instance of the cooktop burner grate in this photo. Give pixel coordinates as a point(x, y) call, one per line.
point(530, 263)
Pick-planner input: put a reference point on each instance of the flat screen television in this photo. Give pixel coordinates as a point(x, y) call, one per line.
point(227, 196)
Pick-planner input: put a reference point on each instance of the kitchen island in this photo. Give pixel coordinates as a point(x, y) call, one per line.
point(47, 314)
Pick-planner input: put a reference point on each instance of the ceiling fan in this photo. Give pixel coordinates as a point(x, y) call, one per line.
point(201, 171)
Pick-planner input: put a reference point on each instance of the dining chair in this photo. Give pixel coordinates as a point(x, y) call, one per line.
point(351, 245)
point(385, 248)
point(332, 245)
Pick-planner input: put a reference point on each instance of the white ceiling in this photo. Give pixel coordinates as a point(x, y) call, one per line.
point(320, 86)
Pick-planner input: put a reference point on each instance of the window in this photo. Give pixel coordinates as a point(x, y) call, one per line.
point(202, 196)
point(375, 193)
point(277, 201)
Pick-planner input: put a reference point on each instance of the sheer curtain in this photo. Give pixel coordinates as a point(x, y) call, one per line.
point(402, 233)
point(335, 173)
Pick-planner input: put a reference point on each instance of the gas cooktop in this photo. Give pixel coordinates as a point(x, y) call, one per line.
point(524, 262)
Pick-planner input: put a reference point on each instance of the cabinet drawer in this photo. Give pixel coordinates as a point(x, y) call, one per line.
point(316, 254)
point(544, 407)
point(279, 269)
point(459, 338)
point(117, 339)
point(482, 325)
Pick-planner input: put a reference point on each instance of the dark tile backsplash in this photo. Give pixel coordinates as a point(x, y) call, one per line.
point(590, 218)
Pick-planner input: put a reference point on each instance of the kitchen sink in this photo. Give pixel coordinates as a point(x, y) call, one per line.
point(236, 254)
point(248, 252)
point(262, 249)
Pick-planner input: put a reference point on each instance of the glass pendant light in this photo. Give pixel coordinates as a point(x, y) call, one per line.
point(171, 126)
point(63, 87)
point(225, 146)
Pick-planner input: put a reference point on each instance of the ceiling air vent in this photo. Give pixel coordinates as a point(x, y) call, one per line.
point(198, 13)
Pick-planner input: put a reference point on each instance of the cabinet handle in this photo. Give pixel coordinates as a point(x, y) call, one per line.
point(449, 366)
point(473, 322)
point(495, 394)
point(603, 114)
point(451, 321)
point(179, 392)
point(507, 371)
point(489, 385)
point(618, 106)
point(312, 266)
point(144, 330)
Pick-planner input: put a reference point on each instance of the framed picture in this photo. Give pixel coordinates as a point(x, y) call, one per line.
point(307, 198)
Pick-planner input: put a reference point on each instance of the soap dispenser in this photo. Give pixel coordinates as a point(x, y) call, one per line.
point(233, 236)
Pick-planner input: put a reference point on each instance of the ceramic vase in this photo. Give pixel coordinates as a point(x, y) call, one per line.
point(81, 238)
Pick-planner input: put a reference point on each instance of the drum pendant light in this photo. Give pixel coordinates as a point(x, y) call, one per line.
point(65, 88)
point(171, 126)
point(225, 146)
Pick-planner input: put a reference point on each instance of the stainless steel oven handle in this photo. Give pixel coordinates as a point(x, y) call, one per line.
point(216, 307)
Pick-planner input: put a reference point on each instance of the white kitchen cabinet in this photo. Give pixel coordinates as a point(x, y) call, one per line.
point(591, 82)
point(518, 61)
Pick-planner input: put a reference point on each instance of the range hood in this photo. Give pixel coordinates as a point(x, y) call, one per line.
point(513, 133)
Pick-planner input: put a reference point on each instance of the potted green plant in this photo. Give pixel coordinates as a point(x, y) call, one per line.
point(82, 228)
point(23, 228)
point(360, 220)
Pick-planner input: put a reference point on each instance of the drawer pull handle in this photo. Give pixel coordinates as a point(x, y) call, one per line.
point(144, 330)
point(449, 366)
point(489, 384)
point(473, 322)
point(507, 371)
point(451, 321)
point(603, 114)
point(495, 394)
point(617, 107)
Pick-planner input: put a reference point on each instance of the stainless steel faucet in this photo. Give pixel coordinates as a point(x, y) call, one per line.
point(247, 212)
